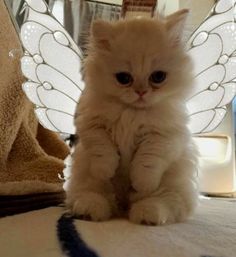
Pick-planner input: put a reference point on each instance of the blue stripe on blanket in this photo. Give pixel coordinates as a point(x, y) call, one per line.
point(71, 243)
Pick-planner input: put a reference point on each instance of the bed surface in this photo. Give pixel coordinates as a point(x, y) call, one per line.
point(211, 232)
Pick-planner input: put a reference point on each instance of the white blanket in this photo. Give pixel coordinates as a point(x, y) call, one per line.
point(211, 232)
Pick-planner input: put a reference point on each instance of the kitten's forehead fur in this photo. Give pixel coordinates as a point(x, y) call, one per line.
point(153, 34)
point(136, 40)
point(138, 34)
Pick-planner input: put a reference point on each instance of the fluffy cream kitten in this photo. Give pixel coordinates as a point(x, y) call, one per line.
point(135, 152)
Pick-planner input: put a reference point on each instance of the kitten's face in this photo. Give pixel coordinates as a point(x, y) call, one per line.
point(139, 62)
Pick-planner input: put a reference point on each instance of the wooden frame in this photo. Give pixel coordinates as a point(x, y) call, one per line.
point(148, 6)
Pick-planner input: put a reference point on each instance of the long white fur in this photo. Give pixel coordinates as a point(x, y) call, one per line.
point(131, 153)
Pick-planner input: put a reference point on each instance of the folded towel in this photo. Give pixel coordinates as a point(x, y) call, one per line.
point(31, 157)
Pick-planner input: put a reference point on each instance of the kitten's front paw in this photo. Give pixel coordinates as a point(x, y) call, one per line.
point(104, 169)
point(150, 212)
point(91, 206)
point(145, 180)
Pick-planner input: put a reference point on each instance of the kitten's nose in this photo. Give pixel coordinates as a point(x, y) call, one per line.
point(141, 92)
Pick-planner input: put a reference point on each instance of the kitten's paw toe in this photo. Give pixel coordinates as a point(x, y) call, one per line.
point(91, 206)
point(149, 223)
point(147, 212)
point(84, 217)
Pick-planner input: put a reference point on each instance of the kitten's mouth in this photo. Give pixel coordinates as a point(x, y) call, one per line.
point(140, 102)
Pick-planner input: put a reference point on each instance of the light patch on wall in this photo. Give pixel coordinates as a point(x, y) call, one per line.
point(214, 147)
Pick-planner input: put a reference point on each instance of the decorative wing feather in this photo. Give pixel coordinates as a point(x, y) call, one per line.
point(51, 63)
point(213, 50)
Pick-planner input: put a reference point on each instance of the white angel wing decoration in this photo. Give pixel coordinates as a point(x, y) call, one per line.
point(213, 50)
point(51, 63)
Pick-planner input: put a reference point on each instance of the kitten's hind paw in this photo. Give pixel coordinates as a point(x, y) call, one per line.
point(91, 206)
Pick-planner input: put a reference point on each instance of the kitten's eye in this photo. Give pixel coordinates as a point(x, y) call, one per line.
point(157, 77)
point(124, 78)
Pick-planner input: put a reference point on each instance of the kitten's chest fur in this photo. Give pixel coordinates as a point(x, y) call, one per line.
point(125, 132)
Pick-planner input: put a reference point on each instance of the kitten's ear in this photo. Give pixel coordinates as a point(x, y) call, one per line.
point(102, 33)
point(175, 25)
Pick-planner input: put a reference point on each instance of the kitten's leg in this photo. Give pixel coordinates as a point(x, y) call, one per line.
point(152, 158)
point(89, 197)
point(103, 154)
point(174, 200)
